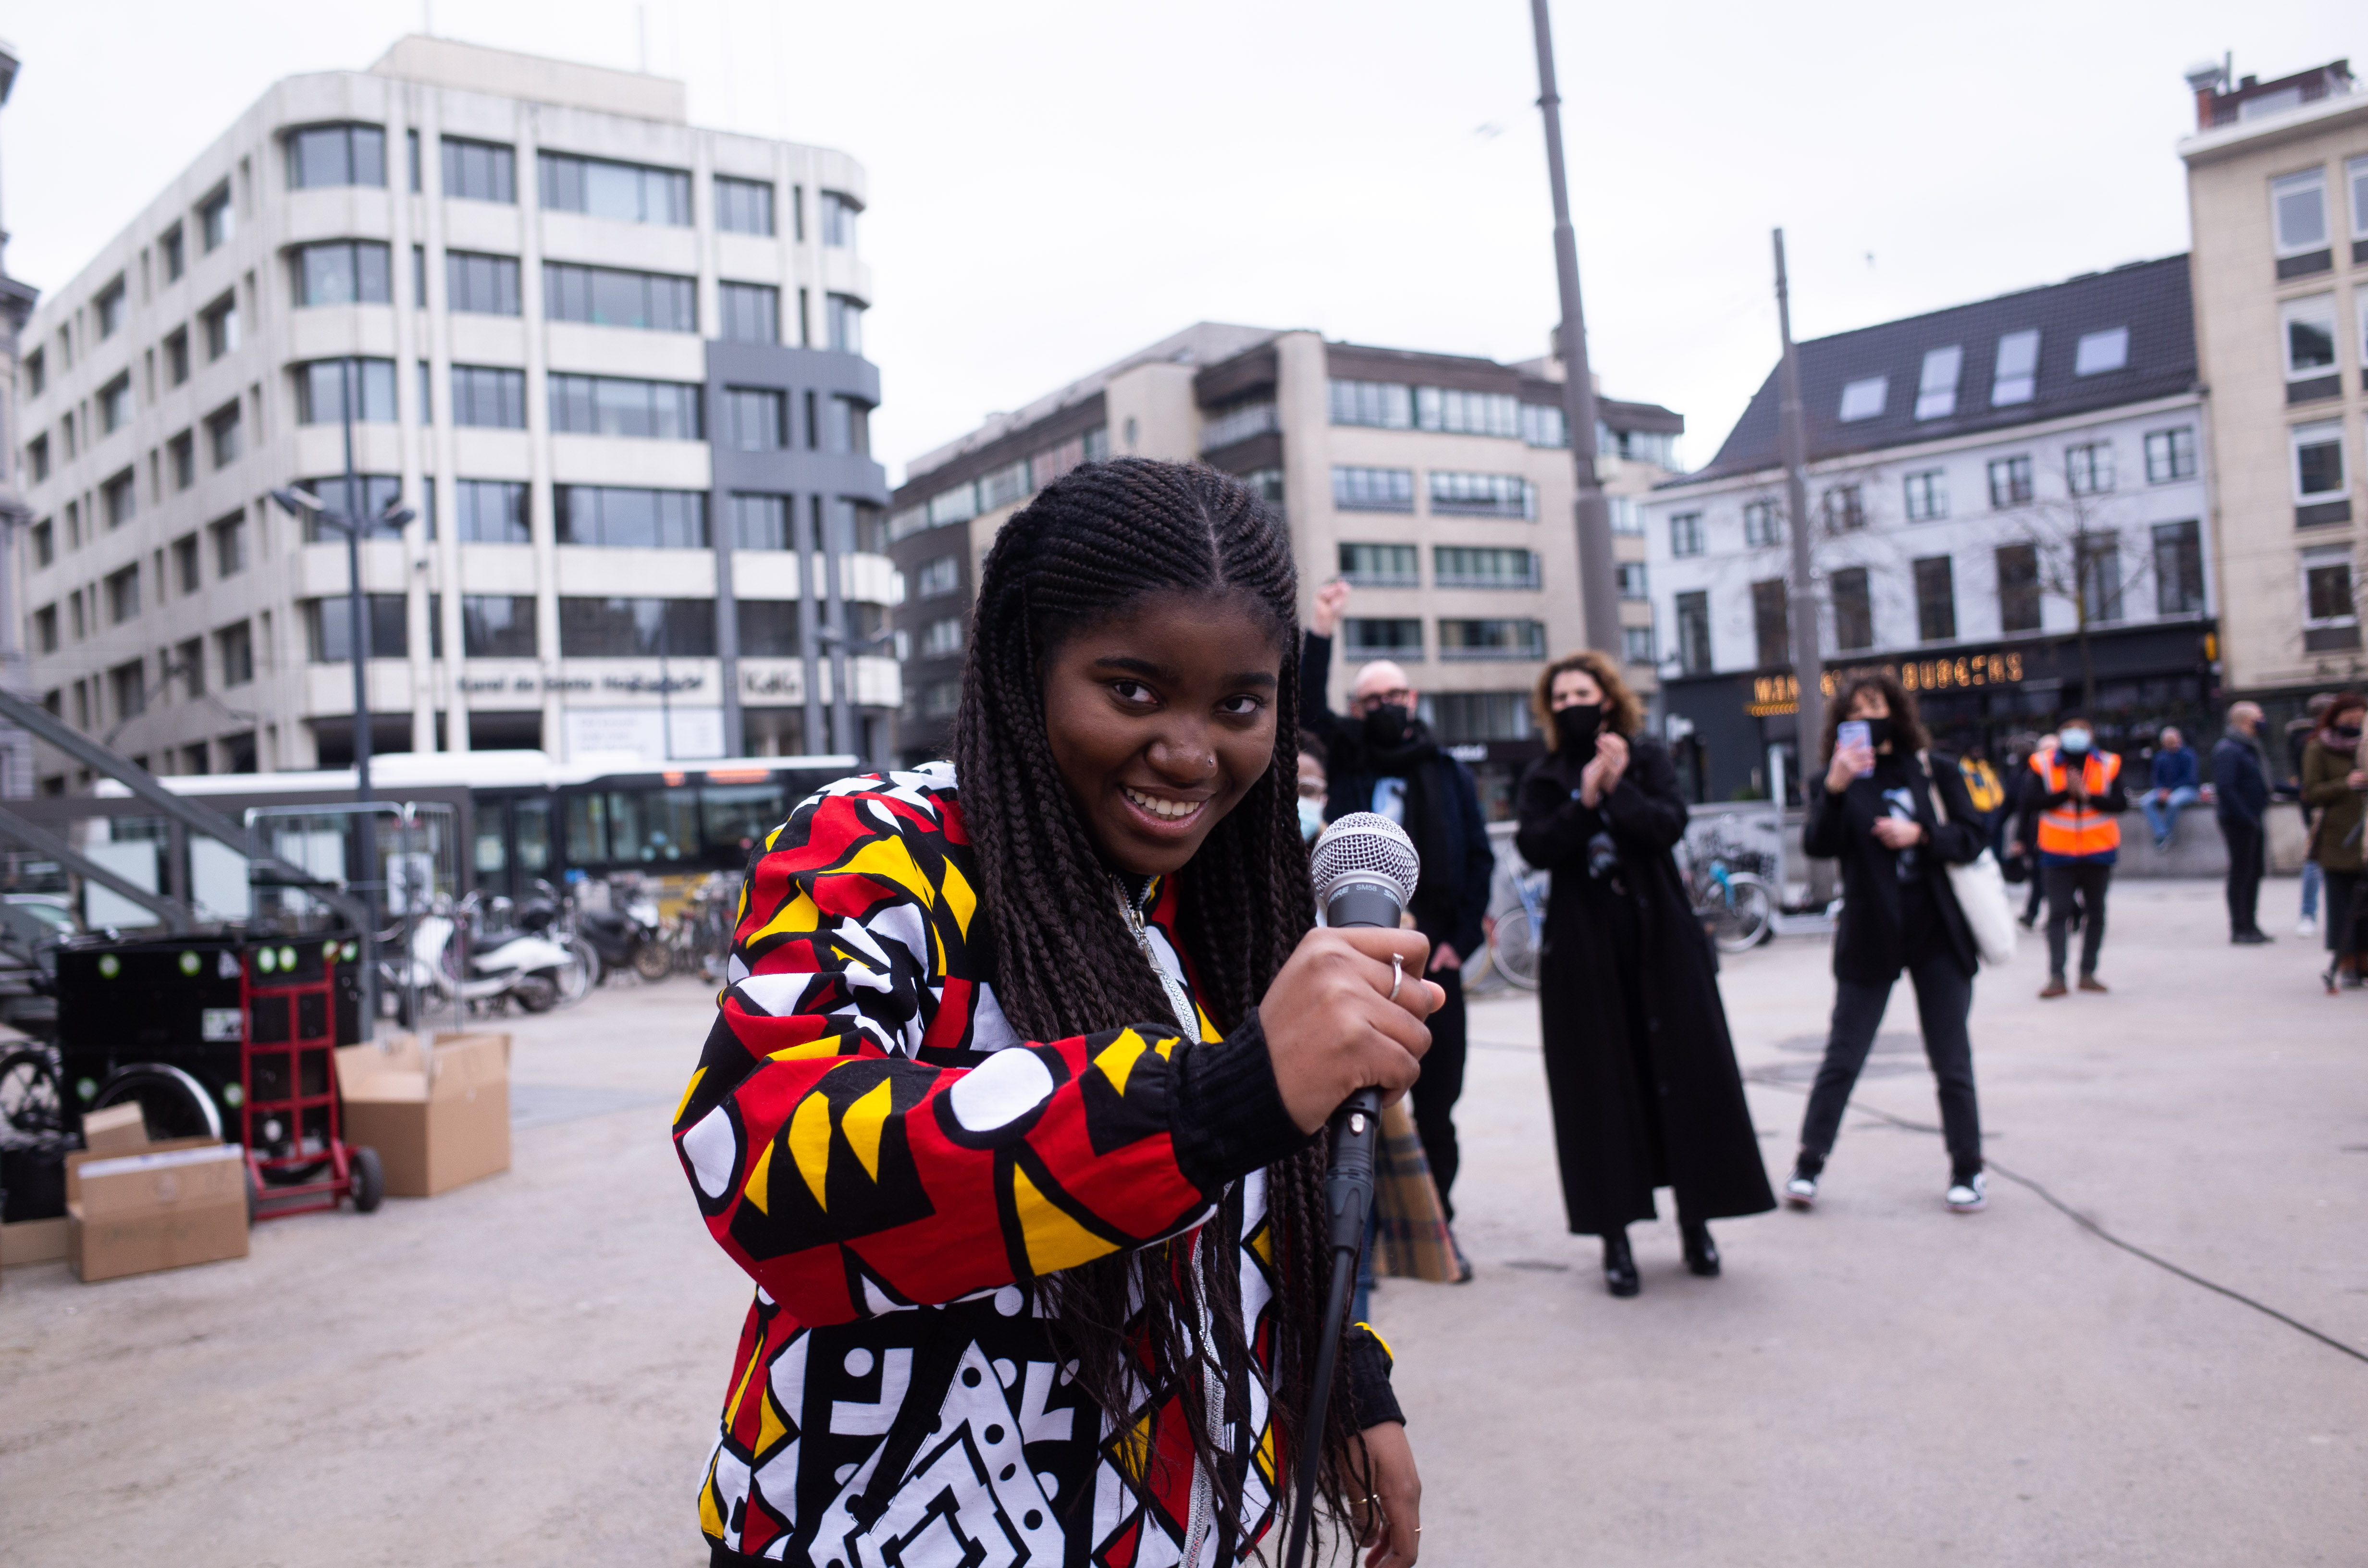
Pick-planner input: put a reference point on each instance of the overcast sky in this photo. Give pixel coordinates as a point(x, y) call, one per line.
point(1055, 183)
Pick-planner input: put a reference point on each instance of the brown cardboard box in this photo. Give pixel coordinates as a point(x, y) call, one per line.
point(436, 1124)
point(33, 1241)
point(177, 1203)
point(118, 1130)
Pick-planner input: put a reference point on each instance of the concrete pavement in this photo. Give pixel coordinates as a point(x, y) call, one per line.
point(526, 1371)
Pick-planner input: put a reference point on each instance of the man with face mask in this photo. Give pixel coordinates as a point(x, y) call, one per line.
point(2080, 804)
point(1382, 758)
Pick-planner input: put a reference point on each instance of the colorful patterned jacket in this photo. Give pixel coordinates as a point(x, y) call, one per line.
point(869, 1140)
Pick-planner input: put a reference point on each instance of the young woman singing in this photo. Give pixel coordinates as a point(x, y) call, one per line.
point(1008, 1107)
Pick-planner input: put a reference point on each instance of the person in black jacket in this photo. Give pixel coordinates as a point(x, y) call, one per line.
point(1876, 814)
point(1638, 1061)
point(2240, 794)
point(1382, 758)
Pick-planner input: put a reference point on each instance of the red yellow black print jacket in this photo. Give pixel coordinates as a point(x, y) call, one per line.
point(869, 1140)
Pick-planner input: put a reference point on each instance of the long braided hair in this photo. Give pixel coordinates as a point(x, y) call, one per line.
point(1090, 545)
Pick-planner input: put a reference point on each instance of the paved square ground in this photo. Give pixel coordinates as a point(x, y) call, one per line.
point(527, 1371)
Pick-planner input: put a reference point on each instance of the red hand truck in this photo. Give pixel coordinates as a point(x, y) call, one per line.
point(287, 1075)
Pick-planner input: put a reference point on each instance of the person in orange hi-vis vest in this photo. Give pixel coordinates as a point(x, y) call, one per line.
point(2079, 839)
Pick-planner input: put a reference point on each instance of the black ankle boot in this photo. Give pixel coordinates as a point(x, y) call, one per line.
point(1702, 1253)
point(1620, 1265)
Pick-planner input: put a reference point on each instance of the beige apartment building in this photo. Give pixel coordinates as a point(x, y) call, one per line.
point(2278, 194)
point(1439, 485)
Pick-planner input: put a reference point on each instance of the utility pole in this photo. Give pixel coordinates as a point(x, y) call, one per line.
point(1793, 441)
point(1598, 582)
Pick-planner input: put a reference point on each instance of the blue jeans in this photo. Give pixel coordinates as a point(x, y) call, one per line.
point(2311, 878)
point(2164, 817)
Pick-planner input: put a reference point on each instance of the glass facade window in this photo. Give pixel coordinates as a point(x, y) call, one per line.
point(751, 312)
point(492, 511)
point(323, 155)
point(1631, 579)
point(1470, 718)
point(217, 220)
point(1627, 516)
point(497, 626)
point(1845, 509)
point(1386, 405)
point(341, 272)
point(372, 497)
point(2016, 376)
point(839, 214)
point(2018, 587)
point(756, 419)
point(1481, 495)
point(1771, 622)
point(1760, 528)
point(330, 623)
point(2088, 468)
point(619, 517)
point(2097, 560)
point(1381, 565)
point(939, 575)
point(1372, 489)
point(489, 396)
point(2328, 602)
point(221, 323)
point(230, 544)
point(1459, 412)
point(234, 652)
point(1936, 600)
point(625, 628)
point(843, 321)
point(1864, 399)
point(1398, 637)
point(2171, 454)
point(613, 405)
point(320, 390)
point(607, 296)
point(2010, 482)
point(1686, 533)
point(1544, 425)
point(1693, 633)
point(2097, 352)
point(108, 308)
point(175, 252)
point(1853, 610)
point(2308, 336)
point(122, 595)
point(1239, 422)
point(769, 628)
point(760, 522)
point(1636, 645)
point(2298, 208)
point(1492, 639)
point(942, 638)
point(224, 441)
point(481, 285)
point(479, 171)
point(115, 404)
point(2319, 461)
point(1936, 385)
point(119, 498)
point(623, 193)
point(2179, 568)
point(743, 205)
point(846, 427)
point(1467, 566)
point(1927, 495)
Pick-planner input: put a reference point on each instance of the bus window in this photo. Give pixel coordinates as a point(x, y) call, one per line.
point(734, 816)
point(653, 826)
point(587, 829)
point(533, 837)
point(492, 855)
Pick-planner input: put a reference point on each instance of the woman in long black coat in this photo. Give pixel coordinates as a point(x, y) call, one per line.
point(1638, 1062)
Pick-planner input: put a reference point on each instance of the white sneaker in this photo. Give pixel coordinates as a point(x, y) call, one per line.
point(2306, 926)
point(1801, 1191)
point(1966, 1197)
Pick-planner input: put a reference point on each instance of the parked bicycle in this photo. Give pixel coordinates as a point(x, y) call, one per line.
point(1513, 946)
point(1725, 885)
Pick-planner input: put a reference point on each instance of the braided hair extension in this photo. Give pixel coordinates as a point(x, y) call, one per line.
point(1090, 545)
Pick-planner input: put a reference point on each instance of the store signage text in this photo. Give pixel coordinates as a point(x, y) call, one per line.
point(1781, 694)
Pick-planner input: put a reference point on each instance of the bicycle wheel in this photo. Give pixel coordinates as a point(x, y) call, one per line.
point(1741, 919)
point(1514, 949)
point(577, 977)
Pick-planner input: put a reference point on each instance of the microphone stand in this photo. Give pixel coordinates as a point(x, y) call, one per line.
point(1347, 1197)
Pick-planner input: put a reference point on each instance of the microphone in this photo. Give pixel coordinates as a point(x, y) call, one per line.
point(1364, 867)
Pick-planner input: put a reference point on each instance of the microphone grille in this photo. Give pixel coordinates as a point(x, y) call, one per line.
point(1364, 844)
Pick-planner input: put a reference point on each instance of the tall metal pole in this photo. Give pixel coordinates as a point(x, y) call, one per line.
point(359, 637)
point(1793, 442)
point(1598, 582)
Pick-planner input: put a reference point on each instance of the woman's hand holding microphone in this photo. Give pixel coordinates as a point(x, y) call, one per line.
point(1347, 1011)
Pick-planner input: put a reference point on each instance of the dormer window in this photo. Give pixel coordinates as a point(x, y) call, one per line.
point(1863, 400)
point(1936, 389)
point(2017, 376)
point(2102, 351)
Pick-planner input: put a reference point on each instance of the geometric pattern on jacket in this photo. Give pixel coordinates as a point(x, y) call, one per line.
point(893, 1166)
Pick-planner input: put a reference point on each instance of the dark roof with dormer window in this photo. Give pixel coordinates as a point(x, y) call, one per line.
point(2147, 298)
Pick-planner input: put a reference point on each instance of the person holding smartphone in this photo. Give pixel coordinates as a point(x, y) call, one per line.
point(1897, 823)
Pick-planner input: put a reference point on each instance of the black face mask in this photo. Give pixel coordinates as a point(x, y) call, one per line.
point(1576, 728)
point(1385, 724)
point(2344, 734)
point(1878, 732)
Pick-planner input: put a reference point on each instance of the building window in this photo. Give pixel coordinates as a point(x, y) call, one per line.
point(1492, 639)
point(329, 622)
point(2097, 559)
point(1239, 421)
point(1467, 566)
point(2308, 331)
point(1864, 399)
point(45, 630)
point(607, 296)
point(937, 576)
point(488, 285)
point(325, 155)
point(2299, 205)
point(1265, 483)
point(1936, 387)
point(760, 522)
point(1845, 508)
point(1382, 635)
point(1480, 494)
point(1694, 633)
point(322, 386)
point(2088, 468)
point(2010, 482)
point(1636, 645)
point(1936, 600)
point(1455, 413)
point(372, 497)
point(942, 638)
point(177, 356)
point(612, 405)
point(2319, 461)
point(175, 252)
point(129, 685)
point(1686, 533)
point(493, 511)
point(122, 595)
point(2099, 352)
point(769, 628)
point(189, 664)
point(2357, 171)
point(838, 215)
point(497, 626)
point(623, 629)
point(1543, 424)
point(1853, 610)
point(1385, 405)
point(220, 323)
point(230, 544)
point(479, 171)
point(1928, 495)
point(489, 396)
point(1771, 622)
point(619, 517)
point(623, 193)
point(756, 419)
point(115, 404)
point(186, 571)
point(751, 312)
point(2178, 569)
point(108, 308)
point(846, 427)
point(2016, 378)
point(45, 543)
point(2171, 454)
point(1474, 718)
point(1627, 516)
point(1760, 528)
point(36, 375)
point(119, 498)
point(1381, 565)
point(36, 458)
point(340, 272)
point(217, 221)
point(743, 205)
point(2018, 587)
point(2331, 612)
point(1631, 578)
point(1372, 489)
point(843, 319)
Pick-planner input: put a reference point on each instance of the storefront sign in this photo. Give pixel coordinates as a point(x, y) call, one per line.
point(1771, 695)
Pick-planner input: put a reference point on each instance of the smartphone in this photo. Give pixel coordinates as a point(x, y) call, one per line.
point(1855, 733)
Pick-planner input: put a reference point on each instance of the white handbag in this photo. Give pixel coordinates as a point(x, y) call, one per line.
point(1980, 888)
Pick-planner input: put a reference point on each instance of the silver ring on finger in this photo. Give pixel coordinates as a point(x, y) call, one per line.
point(1397, 974)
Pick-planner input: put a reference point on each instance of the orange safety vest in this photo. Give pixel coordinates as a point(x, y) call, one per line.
point(2076, 828)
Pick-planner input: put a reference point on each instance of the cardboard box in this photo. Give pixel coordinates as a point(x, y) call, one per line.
point(118, 1130)
point(167, 1207)
point(436, 1123)
point(33, 1241)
